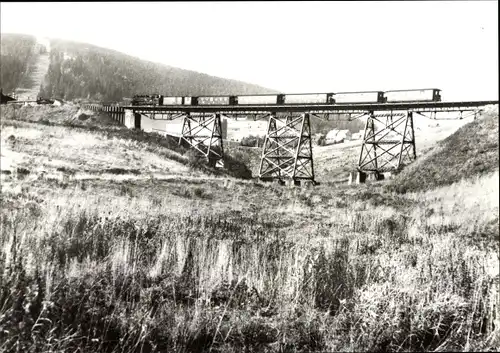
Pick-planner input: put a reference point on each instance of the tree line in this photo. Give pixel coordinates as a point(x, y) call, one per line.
point(16, 54)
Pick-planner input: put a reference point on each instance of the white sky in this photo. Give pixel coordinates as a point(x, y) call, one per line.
point(292, 46)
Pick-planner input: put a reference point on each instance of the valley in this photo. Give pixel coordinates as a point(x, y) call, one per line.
point(119, 234)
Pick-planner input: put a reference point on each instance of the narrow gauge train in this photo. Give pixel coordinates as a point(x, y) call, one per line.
point(398, 96)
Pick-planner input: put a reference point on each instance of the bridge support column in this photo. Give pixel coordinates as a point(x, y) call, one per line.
point(388, 143)
point(287, 151)
point(203, 132)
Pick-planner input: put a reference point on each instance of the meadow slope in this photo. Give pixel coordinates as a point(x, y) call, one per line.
point(470, 151)
point(195, 262)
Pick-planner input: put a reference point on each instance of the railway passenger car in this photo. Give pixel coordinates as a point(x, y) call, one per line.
point(413, 95)
point(358, 97)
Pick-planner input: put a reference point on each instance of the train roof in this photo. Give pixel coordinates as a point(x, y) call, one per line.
point(412, 90)
point(355, 92)
point(290, 94)
point(238, 95)
point(304, 94)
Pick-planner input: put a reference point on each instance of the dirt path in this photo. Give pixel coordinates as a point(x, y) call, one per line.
point(30, 85)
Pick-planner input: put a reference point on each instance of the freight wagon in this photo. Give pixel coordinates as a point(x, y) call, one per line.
point(310, 98)
point(215, 100)
point(257, 99)
point(358, 97)
point(173, 101)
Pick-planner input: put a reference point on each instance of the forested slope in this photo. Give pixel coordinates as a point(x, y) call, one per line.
point(16, 53)
point(85, 71)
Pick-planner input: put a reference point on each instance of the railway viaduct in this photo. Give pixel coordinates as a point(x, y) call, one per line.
point(387, 145)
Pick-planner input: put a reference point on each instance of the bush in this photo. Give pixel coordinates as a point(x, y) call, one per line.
point(196, 160)
point(253, 141)
point(236, 165)
point(321, 141)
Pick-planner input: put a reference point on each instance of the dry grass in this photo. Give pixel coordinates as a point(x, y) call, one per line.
point(362, 278)
point(53, 147)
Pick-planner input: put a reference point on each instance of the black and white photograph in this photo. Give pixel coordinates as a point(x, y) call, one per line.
point(249, 176)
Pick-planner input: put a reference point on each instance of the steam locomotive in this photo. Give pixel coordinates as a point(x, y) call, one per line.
point(397, 96)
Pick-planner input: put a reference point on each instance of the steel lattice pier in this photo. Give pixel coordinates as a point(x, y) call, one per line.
point(388, 142)
point(203, 132)
point(287, 152)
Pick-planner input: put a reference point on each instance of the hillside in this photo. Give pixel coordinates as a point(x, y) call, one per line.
point(84, 71)
point(79, 70)
point(471, 151)
point(71, 140)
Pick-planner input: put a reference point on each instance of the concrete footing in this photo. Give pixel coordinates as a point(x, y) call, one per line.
point(375, 176)
point(358, 177)
point(132, 120)
point(291, 183)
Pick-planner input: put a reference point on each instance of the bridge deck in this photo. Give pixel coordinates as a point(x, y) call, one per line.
point(315, 108)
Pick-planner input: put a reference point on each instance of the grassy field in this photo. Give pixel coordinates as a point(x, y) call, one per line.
point(113, 242)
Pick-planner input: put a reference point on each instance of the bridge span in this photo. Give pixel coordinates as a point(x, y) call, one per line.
point(388, 142)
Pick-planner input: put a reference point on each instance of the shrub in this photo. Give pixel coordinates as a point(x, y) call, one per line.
point(321, 141)
point(196, 160)
point(236, 165)
point(253, 141)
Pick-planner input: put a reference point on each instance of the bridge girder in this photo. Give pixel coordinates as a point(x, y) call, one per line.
point(316, 108)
